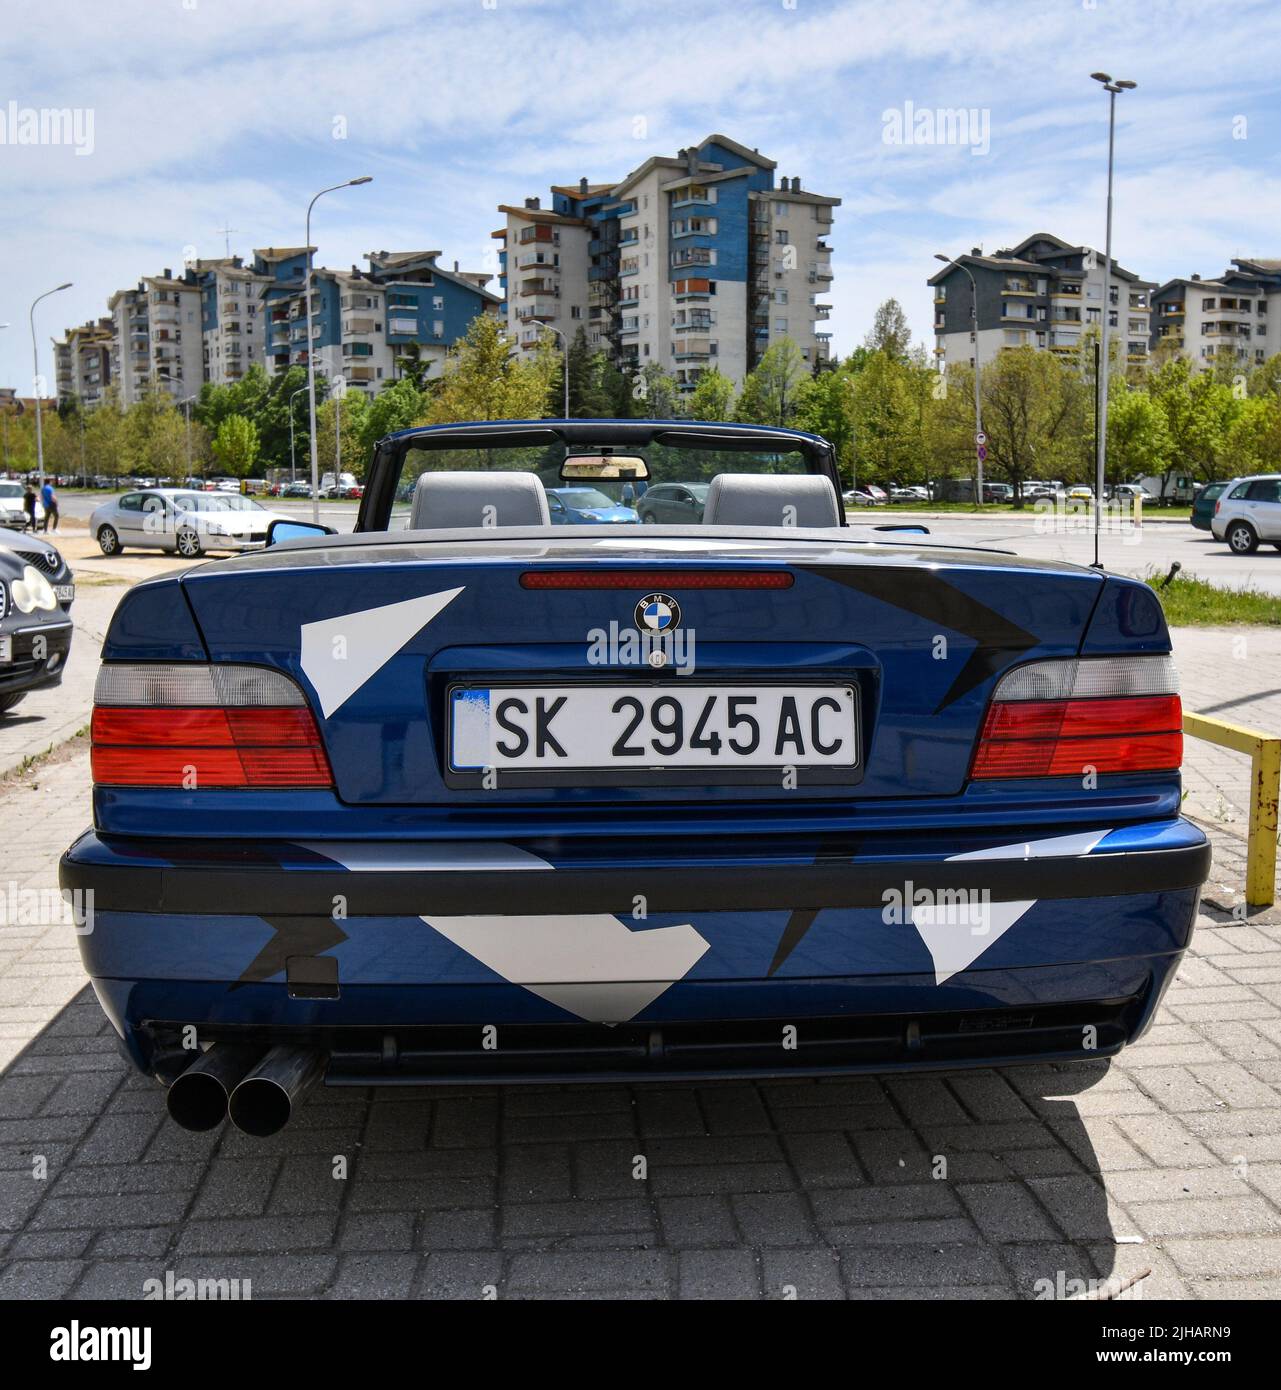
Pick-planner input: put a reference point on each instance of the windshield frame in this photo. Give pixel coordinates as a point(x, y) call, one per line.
point(389, 455)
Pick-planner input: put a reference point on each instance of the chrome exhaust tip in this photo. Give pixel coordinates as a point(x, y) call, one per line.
point(265, 1100)
point(198, 1099)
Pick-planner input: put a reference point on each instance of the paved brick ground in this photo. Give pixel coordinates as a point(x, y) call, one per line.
point(1169, 1160)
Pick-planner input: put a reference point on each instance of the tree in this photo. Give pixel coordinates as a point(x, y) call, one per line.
point(889, 400)
point(1252, 442)
point(481, 380)
point(770, 394)
point(890, 333)
point(395, 407)
point(1198, 411)
point(655, 395)
point(353, 412)
point(712, 397)
point(235, 445)
point(1138, 439)
point(826, 407)
point(1034, 412)
point(155, 436)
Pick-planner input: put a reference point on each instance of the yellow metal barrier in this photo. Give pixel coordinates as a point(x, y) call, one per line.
point(1265, 790)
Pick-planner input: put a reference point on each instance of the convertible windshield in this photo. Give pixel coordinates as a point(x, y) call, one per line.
point(692, 464)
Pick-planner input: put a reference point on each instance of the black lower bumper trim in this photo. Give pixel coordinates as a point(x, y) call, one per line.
point(261, 891)
point(436, 1055)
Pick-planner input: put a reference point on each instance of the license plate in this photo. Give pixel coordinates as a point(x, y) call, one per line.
point(615, 727)
point(65, 592)
point(6, 649)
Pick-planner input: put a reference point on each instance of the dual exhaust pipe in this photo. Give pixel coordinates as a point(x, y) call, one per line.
point(259, 1093)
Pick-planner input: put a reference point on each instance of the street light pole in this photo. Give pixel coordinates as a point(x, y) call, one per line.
point(1101, 442)
point(979, 445)
point(293, 470)
point(311, 347)
point(35, 362)
point(186, 401)
point(551, 328)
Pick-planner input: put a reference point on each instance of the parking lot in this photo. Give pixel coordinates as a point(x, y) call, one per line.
point(1019, 1183)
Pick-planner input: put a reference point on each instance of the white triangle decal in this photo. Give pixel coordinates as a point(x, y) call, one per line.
point(369, 637)
point(591, 964)
point(954, 945)
point(956, 935)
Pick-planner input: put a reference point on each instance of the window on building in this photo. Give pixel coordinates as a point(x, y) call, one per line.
point(438, 328)
point(780, 296)
point(780, 236)
point(780, 327)
point(438, 301)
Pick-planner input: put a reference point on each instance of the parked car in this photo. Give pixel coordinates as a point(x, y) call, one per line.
point(36, 593)
point(1203, 504)
point(1080, 493)
point(998, 492)
point(181, 521)
point(296, 489)
point(586, 506)
point(490, 742)
point(673, 503)
point(859, 497)
point(13, 514)
point(1248, 512)
point(878, 492)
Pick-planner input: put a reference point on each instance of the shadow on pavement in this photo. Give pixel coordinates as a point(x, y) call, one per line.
point(964, 1185)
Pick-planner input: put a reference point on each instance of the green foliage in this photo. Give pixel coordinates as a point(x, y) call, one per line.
point(235, 445)
point(772, 391)
point(482, 381)
point(712, 397)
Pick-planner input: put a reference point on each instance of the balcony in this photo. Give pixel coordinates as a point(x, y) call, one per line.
point(820, 272)
point(358, 373)
point(692, 349)
point(539, 233)
point(542, 309)
point(355, 325)
point(544, 288)
point(534, 260)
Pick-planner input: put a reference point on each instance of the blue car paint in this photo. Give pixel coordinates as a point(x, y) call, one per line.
point(579, 512)
point(913, 802)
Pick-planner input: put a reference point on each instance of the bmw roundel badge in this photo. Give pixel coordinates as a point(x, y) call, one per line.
point(658, 613)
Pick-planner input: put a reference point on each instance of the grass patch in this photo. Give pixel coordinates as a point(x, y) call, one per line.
point(1192, 602)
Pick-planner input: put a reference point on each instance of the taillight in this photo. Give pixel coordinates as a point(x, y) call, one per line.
point(203, 726)
point(1067, 718)
point(1217, 505)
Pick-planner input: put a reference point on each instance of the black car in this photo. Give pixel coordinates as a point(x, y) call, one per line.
point(36, 593)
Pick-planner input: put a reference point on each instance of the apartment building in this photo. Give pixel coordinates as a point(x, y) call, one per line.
point(1043, 293)
point(365, 323)
point(82, 362)
point(1237, 315)
point(231, 317)
point(156, 337)
point(690, 261)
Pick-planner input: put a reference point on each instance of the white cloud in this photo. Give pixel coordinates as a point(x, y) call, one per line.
point(223, 112)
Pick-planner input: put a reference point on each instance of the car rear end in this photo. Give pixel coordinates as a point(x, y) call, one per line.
point(520, 808)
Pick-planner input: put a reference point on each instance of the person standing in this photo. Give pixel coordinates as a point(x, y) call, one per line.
point(29, 506)
point(49, 499)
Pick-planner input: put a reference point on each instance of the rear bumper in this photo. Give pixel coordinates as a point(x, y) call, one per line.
point(592, 962)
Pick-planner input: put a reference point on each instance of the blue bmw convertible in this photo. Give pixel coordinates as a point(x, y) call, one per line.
point(468, 796)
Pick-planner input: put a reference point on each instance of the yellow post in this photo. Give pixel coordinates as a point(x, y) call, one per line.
point(1265, 792)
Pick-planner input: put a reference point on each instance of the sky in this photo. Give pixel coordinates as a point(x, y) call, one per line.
point(199, 115)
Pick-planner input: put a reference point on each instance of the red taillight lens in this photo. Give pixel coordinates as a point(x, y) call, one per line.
point(254, 744)
point(1129, 731)
point(656, 579)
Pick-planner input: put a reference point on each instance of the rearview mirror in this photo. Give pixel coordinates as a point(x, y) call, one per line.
point(603, 468)
point(290, 530)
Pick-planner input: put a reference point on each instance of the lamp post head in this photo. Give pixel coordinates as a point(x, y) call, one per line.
point(67, 286)
point(364, 178)
point(1101, 77)
point(939, 256)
